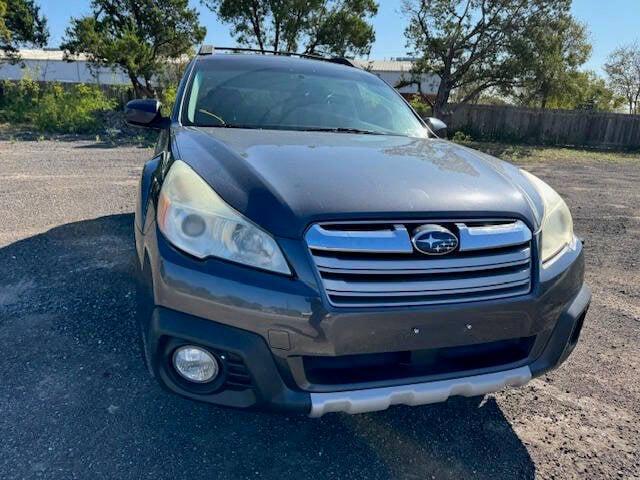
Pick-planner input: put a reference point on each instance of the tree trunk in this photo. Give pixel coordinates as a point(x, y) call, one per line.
point(543, 102)
point(442, 99)
point(150, 92)
point(140, 90)
point(276, 39)
point(635, 102)
point(544, 97)
point(255, 21)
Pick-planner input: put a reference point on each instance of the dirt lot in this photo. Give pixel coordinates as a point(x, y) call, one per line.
point(76, 402)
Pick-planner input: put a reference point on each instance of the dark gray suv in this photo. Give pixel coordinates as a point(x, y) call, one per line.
point(306, 243)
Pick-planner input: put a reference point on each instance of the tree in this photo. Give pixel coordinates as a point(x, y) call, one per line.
point(549, 56)
point(139, 36)
point(593, 94)
point(584, 91)
point(623, 70)
point(476, 45)
point(21, 23)
point(337, 27)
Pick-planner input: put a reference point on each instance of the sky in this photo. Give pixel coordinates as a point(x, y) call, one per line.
point(610, 22)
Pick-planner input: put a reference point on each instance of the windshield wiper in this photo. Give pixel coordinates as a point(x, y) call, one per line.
point(343, 130)
point(223, 123)
point(211, 114)
point(231, 125)
point(296, 128)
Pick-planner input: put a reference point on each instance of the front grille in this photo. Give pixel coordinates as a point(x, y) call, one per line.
point(373, 367)
point(375, 264)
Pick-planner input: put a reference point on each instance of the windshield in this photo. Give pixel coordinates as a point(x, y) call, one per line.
point(261, 95)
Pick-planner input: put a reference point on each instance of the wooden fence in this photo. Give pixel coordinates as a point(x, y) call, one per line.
point(546, 127)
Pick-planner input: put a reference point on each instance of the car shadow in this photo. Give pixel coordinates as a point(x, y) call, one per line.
point(82, 405)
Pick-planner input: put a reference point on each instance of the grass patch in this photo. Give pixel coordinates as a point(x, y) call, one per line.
point(528, 153)
point(13, 133)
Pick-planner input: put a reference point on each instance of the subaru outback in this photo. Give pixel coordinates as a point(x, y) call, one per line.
point(307, 243)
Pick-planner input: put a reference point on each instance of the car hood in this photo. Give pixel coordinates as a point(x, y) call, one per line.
point(286, 180)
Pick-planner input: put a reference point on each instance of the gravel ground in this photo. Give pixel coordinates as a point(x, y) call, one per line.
point(76, 401)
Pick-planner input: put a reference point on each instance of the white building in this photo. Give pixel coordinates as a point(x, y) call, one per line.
point(395, 72)
point(50, 66)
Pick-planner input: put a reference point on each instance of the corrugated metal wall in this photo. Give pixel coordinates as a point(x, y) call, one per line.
point(47, 70)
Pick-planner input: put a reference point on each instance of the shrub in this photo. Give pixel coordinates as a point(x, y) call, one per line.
point(53, 107)
point(421, 107)
point(461, 137)
point(168, 98)
point(18, 100)
point(72, 110)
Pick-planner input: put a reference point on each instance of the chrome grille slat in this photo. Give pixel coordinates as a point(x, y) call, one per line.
point(436, 285)
point(426, 270)
point(426, 293)
point(413, 265)
point(495, 236)
point(366, 265)
point(395, 240)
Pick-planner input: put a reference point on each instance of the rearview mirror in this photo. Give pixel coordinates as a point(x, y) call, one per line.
point(145, 113)
point(436, 125)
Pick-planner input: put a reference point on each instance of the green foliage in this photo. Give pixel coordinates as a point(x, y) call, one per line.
point(18, 100)
point(5, 34)
point(421, 107)
point(480, 45)
point(73, 110)
point(548, 57)
point(139, 36)
point(461, 137)
point(585, 91)
point(337, 27)
point(54, 108)
point(168, 98)
point(21, 23)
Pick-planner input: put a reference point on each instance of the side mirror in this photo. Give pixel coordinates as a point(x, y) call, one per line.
point(145, 113)
point(436, 125)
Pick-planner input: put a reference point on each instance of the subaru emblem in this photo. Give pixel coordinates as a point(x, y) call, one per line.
point(434, 240)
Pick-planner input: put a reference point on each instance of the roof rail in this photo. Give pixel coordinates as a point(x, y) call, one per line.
point(210, 50)
point(341, 61)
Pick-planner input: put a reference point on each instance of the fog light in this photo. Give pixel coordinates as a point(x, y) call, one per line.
point(195, 364)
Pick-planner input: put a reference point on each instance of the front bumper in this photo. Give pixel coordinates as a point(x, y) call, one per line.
point(272, 323)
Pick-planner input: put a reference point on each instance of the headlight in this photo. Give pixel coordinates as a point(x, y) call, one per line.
point(557, 225)
point(195, 219)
